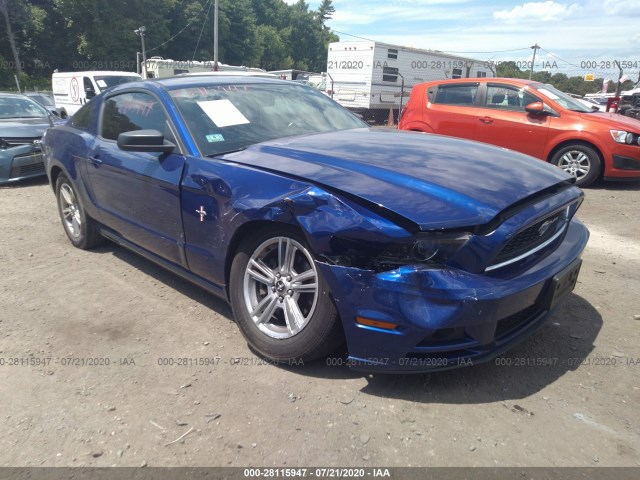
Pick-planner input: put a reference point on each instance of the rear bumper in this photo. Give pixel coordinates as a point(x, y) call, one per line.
point(19, 163)
point(445, 318)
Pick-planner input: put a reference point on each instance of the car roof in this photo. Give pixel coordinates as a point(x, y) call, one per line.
point(510, 81)
point(172, 83)
point(12, 95)
point(228, 73)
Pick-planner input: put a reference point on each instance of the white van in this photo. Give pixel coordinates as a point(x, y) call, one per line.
point(71, 90)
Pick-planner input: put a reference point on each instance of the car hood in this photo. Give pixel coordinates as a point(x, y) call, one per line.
point(613, 120)
point(435, 181)
point(23, 127)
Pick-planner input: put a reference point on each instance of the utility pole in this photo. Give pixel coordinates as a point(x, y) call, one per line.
point(215, 37)
point(140, 31)
point(533, 62)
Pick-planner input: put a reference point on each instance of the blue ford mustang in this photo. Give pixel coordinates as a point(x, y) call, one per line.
point(422, 252)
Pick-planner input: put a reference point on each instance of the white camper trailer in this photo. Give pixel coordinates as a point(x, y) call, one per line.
point(368, 77)
point(158, 67)
point(71, 90)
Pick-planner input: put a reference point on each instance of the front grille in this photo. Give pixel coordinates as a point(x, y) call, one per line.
point(516, 321)
point(17, 141)
point(530, 238)
point(29, 169)
point(27, 165)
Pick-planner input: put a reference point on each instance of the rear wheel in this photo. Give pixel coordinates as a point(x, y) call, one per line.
point(79, 227)
point(579, 161)
point(280, 300)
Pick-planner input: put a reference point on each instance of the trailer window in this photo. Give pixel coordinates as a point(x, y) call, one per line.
point(481, 74)
point(389, 74)
point(392, 53)
point(464, 95)
point(457, 73)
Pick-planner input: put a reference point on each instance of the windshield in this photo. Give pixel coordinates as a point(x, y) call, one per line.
point(561, 98)
point(224, 118)
point(108, 81)
point(20, 107)
point(42, 99)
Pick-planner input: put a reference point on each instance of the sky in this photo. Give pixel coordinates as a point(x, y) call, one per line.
point(576, 37)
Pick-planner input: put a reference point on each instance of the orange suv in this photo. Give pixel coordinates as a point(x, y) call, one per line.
point(532, 118)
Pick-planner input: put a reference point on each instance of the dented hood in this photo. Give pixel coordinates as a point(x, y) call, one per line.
point(434, 181)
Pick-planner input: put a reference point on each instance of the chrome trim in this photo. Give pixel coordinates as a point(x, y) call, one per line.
point(530, 252)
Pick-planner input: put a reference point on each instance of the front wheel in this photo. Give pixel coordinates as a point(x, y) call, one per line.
point(579, 161)
point(79, 227)
point(280, 300)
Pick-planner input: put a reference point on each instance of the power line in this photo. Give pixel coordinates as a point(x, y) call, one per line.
point(185, 27)
point(201, 30)
point(555, 56)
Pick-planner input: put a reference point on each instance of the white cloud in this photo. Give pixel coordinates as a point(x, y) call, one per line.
point(534, 11)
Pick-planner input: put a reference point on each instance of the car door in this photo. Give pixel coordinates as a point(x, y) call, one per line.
point(503, 121)
point(137, 194)
point(451, 109)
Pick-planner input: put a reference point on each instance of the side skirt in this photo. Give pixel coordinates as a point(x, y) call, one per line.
point(217, 290)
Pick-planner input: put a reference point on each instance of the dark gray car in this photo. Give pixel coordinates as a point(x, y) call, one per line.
point(22, 124)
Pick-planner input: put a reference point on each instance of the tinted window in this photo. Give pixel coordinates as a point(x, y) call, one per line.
point(505, 97)
point(132, 111)
point(392, 53)
point(82, 118)
point(464, 94)
point(457, 73)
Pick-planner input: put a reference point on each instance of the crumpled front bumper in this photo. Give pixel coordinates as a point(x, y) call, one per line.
point(445, 318)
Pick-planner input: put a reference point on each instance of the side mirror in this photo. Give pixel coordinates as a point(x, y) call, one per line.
point(89, 92)
point(537, 108)
point(144, 141)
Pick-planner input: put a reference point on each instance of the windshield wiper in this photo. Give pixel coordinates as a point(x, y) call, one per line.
point(219, 154)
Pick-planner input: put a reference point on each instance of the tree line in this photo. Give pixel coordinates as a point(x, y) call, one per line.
point(576, 85)
point(39, 36)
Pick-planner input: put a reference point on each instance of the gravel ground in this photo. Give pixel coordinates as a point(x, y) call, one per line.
point(568, 396)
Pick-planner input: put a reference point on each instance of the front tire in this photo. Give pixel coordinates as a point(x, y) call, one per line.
point(280, 300)
point(79, 227)
point(579, 161)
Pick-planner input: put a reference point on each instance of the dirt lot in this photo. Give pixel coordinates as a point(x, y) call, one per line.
point(568, 396)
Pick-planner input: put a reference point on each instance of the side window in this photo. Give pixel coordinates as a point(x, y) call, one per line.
point(89, 91)
point(481, 74)
point(82, 118)
point(456, 73)
point(392, 53)
point(505, 97)
point(133, 111)
point(461, 94)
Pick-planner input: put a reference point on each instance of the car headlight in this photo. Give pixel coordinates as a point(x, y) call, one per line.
point(622, 136)
point(430, 249)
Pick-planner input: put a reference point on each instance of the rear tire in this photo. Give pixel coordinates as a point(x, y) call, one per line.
point(79, 227)
point(580, 161)
point(280, 300)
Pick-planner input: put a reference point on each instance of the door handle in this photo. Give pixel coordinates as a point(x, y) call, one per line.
point(95, 160)
point(486, 119)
